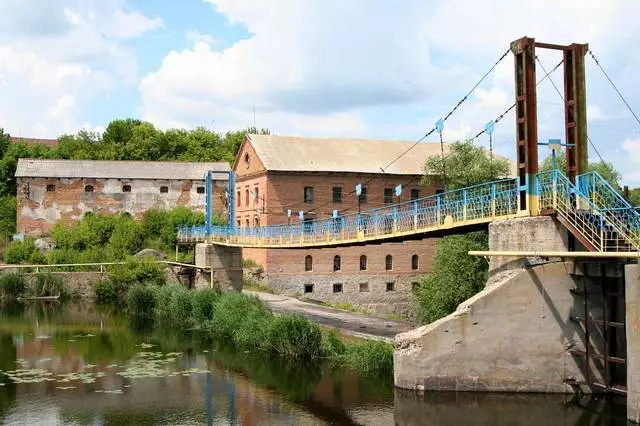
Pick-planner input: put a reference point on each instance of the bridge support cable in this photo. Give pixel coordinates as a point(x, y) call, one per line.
point(614, 87)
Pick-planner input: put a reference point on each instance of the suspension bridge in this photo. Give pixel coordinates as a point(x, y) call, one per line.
point(584, 202)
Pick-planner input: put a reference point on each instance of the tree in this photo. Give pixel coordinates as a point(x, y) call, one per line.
point(466, 164)
point(634, 196)
point(603, 168)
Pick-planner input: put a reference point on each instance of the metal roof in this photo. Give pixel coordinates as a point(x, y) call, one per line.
point(171, 170)
point(303, 154)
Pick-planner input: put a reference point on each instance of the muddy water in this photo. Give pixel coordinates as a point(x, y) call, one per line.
point(75, 365)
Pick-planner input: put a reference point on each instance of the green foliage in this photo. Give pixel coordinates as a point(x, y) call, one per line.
point(164, 296)
point(137, 271)
point(231, 310)
point(634, 196)
point(7, 216)
point(333, 345)
point(140, 300)
point(603, 168)
point(127, 238)
point(11, 285)
point(466, 164)
point(23, 252)
point(105, 293)
point(370, 357)
point(181, 306)
point(455, 276)
point(294, 337)
point(203, 304)
point(48, 284)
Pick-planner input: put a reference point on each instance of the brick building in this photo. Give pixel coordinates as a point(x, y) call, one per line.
point(276, 174)
point(49, 191)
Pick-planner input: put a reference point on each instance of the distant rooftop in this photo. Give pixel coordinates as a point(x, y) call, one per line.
point(34, 141)
point(304, 154)
point(172, 170)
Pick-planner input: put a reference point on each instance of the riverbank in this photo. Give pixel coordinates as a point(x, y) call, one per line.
point(352, 323)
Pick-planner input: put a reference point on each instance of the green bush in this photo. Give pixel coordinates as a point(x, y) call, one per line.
point(181, 306)
point(231, 310)
point(140, 300)
point(7, 216)
point(164, 296)
point(294, 337)
point(18, 252)
point(253, 329)
point(455, 276)
point(370, 357)
point(137, 271)
point(12, 285)
point(105, 293)
point(203, 304)
point(332, 345)
point(47, 284)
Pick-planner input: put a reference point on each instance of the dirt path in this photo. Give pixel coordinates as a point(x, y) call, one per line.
point(349, 322)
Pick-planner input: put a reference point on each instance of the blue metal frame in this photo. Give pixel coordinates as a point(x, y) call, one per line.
point(231, 201)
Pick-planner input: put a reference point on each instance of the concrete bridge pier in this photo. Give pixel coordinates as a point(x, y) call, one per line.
point(226, 266)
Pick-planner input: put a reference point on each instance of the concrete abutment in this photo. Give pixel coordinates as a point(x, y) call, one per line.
point(226, 266)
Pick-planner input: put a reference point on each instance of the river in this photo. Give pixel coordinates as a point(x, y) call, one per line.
point(77, 365)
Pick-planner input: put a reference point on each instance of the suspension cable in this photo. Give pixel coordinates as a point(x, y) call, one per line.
point(614, 87)
point(562, 97)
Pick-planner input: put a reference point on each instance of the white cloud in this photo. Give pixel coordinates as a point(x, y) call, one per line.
point(58, 57)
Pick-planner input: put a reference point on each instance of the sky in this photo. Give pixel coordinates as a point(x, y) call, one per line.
point(357, 68)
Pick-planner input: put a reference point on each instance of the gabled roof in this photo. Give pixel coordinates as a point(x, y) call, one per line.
point(172, 170)
point(304, 154)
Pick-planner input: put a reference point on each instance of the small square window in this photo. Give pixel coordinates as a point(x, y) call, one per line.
point(308, 288)
point(126, 188)
point(415, 194)
point(337, 194)
point(164, 189)
point(88, 188)
point(388, 195)
point(308, 194)
point(364, 287)
point(51, 188)
point(200, 190)
point(337, 288)
point(391, 286)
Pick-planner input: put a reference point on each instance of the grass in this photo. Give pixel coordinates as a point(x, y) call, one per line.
point(345, 306)
point(252, 285)
point(13, 286)
point(248, 324)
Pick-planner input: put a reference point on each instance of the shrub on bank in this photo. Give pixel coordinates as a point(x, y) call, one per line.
point(105, 293)
point(11, 285)
point(203, 303)
point(140, 300)
point(47, 284)
point(294, 337)
point(21, 252)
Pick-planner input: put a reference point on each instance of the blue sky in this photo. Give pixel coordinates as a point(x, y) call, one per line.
point(362, 68)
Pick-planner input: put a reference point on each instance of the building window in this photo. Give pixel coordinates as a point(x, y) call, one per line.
point(200, 190)
point(308, 263)
point(246, 224)
point(256, 221)
point(246, 197)
point(415, 194)
point(308, 288)
point(364, 287)
point(391, 286)
point(337, 194)
point(415, 263)
point(164, 189)
point(363, 262)
point(388, 195)
point(336, 263)
point(363, 196)
point(126, 188)
point(238, 198)
point(415, 286)
point(239, 223)
point(337, 288)
point(88, 188)
point(388, 262)
point(51, 188)
point(308, 194)
point(256, 195)
point(247, 160)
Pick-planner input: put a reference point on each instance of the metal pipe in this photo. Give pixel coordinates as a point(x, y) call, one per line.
point(594, 254)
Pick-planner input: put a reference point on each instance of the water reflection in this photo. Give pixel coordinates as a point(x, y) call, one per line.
point(94, 367)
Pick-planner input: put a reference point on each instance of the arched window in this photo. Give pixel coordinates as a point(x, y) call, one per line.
point(308, 263)
point(363, 262)
point(336, 263)
point(415, 263)
point(88, 188)
point(388, 262)
point(126, 188)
